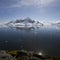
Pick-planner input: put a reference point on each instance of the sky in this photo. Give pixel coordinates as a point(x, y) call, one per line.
point(43, 10)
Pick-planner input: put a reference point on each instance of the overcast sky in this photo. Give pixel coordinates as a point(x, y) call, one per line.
point(48, 10)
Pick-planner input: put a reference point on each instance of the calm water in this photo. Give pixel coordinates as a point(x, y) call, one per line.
point(45, 39)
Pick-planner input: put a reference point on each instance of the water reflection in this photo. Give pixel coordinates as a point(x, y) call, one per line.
point(58, 26)
point(25, 28)
point(39, 27)
point(31, 38)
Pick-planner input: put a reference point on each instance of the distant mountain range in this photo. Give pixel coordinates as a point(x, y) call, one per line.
point(57, 24)
point(27, 22)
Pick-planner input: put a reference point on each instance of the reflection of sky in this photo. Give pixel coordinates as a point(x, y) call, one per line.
point(42, 10)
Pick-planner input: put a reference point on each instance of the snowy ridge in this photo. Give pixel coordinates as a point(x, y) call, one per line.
point(24, 23)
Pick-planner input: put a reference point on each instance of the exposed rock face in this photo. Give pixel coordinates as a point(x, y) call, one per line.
point(24, 55)
point(28, 20)
point(5, 56)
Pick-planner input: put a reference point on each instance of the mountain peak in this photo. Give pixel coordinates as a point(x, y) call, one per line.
point(27, 18)
point(25, 22)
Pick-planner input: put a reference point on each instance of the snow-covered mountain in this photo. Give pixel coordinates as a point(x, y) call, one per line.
point(56, 23)
point(24, 23)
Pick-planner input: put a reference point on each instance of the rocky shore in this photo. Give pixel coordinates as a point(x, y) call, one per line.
point(24, 55)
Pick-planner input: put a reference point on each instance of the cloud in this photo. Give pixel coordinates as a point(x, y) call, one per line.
point(7, 3)
point(27, 3)
point(37, 3)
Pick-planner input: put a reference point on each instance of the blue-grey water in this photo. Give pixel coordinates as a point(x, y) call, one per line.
point(45, 39)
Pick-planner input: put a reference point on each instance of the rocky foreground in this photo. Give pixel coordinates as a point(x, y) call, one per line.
point(24, 55)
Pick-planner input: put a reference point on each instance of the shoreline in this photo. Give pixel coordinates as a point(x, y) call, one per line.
point(25, 55)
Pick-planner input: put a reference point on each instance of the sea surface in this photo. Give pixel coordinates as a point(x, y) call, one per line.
point(45, 39)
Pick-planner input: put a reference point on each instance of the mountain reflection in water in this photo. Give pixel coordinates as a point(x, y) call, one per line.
point(46, 39)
